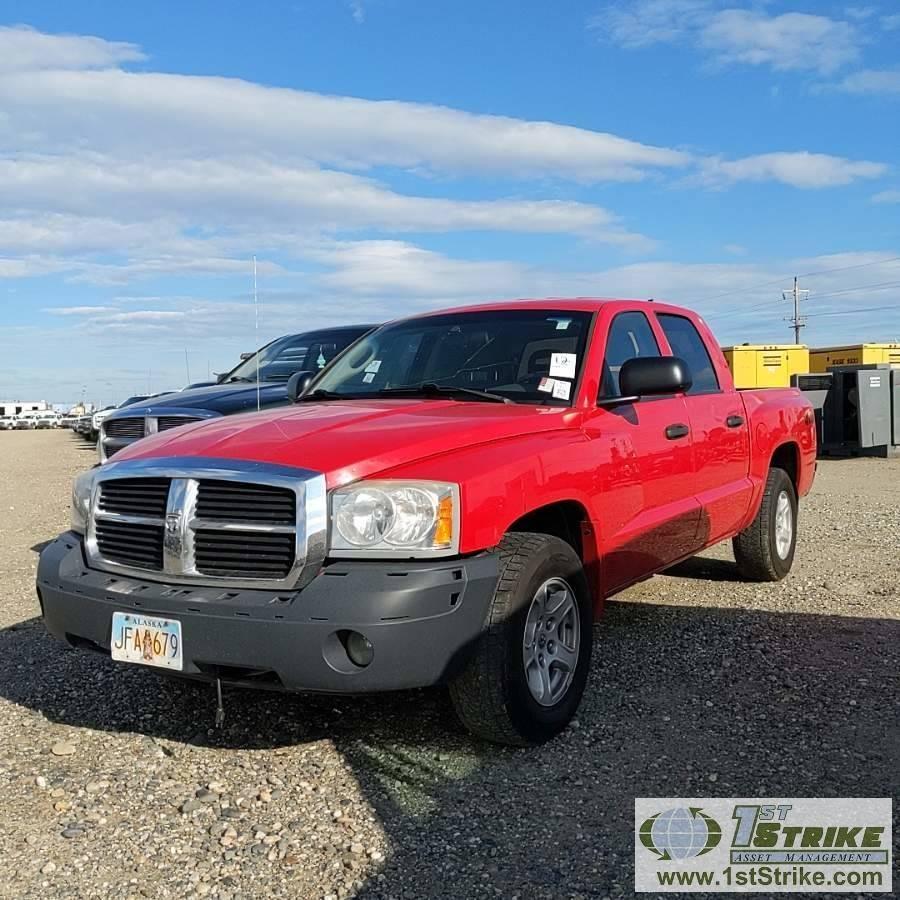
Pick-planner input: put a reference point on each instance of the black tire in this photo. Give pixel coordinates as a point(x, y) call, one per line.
point(756, 549)
point(491, 695)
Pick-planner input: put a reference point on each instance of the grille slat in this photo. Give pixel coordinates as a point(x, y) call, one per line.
point(124, 428)
point(164, 423)
point(243, 554)
point(233, 501)
point(130, 544)
point(135, 496)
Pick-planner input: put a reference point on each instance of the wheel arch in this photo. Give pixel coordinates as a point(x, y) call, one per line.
point(786, 456)
point(569, 521)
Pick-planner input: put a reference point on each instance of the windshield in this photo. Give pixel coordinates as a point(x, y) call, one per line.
point(136, 399)
point(295, 353)
point(520, 355)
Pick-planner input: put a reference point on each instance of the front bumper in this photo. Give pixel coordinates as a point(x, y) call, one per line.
point(421, 617)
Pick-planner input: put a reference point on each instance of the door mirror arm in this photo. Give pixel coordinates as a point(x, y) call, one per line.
point(610, 402)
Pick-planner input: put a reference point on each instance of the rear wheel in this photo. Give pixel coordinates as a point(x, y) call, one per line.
point(765, 550)
point(530, 665)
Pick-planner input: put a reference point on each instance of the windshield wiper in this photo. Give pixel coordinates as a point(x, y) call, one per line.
point(242, 378)
point(430, 389)
point(322, 394)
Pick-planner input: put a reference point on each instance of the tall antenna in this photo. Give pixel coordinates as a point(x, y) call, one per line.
point(797, 321)
point(187, 366)
point(256, 314)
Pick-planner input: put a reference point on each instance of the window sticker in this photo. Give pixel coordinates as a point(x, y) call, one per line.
point(368, 378)
point(546, 385)
point(561, 390)
point(373, 367)
point(562, 365)
point(563, 324)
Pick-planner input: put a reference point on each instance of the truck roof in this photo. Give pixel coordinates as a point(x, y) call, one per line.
point(580, 304)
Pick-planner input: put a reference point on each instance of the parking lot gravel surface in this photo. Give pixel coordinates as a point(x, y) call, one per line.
point(114, 782)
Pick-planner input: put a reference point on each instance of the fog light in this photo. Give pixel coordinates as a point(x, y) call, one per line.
point(359, 649)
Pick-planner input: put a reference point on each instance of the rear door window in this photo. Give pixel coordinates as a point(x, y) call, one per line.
point(685, 341)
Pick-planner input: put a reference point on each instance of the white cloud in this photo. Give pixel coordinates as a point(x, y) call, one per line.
point(647, 22)
point(785, 42)
point(860, 13)
point(79, 310)
point(153, 114)
point(797, 169)
point(22, 47)
point(891, 196)
point(228, 192)
point(358, 11)
point(790, 41)
point(871, 81)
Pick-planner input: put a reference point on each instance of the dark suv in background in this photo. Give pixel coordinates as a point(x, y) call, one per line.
point(236, 391)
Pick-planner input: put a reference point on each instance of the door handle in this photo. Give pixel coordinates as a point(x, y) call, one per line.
point(673, 432)
point(734, 421)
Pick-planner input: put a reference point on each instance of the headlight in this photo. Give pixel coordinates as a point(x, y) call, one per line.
point(81, 500)
point(402, 518)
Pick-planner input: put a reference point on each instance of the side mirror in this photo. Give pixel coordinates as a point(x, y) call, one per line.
point(297, 385)
point(652, 376)
point(245, 356)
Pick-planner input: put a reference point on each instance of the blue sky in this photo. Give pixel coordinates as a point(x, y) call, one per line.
point(387, 156)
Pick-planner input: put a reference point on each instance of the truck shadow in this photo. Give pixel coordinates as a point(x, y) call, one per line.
point(682, 701)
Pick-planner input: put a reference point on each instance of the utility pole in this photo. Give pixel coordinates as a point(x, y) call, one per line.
point(797, 321)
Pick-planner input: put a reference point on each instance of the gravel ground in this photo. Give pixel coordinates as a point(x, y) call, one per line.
point(114, 784)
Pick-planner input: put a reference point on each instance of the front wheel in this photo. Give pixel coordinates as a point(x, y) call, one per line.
point(764, 551)
point(528, 670)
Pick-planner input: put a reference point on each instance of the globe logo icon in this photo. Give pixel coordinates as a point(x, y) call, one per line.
point(681, 833)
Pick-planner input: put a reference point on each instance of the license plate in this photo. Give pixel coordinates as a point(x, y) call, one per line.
point(147, 640)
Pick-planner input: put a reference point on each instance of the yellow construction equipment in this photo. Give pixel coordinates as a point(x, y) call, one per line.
point(766, 365)
point(821, 358)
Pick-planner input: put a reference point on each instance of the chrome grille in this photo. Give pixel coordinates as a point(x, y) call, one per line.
point(232, 501)
point(135, 497)
point(218, 522)
point(130, 543)
point(124, 428)
point(164, 423)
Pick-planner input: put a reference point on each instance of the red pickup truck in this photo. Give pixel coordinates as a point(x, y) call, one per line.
point(449, 501)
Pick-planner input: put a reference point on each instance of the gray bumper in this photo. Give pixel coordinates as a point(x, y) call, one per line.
point(420, 616)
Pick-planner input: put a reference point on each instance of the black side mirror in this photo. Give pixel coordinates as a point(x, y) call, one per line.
point(651, 376)
point(297, 385)
point(246, 355)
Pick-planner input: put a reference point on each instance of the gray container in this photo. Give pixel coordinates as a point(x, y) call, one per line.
point(857, 410)
point(895, 407)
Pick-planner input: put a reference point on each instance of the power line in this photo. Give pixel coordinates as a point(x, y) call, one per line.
point(765, 284)
point(880, 286)
point(852, 312)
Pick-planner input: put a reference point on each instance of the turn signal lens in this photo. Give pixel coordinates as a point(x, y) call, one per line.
point(443, 533)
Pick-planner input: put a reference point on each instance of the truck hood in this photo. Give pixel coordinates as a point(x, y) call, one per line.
point(351, 439)
point(220, 398)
